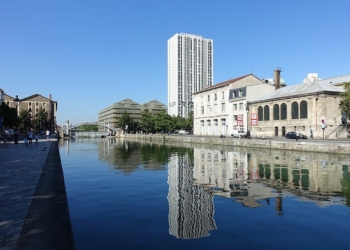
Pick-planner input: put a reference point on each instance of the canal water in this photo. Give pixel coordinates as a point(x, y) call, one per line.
point(129, 194)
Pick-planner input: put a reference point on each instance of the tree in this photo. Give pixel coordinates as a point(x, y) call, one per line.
point(189, 121)
point(88, 127)
point(162, 121)
point(146, 124)
point(8, 115)
point(41, 119)
point(124, 121)
point(24, 119)
point(344, 104)
point(178, 122)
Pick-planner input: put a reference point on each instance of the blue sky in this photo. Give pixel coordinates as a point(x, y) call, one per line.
point(90, 54)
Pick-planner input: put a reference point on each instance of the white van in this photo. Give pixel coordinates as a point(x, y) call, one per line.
point(9, 132)
point(238, 134)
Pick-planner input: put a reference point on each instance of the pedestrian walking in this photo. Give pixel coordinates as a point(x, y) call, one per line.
point(30, 137)
point(297, 135)
point(48, 135)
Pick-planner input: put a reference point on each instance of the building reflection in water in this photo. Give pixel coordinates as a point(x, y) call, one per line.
point(251, 177)
point(191, 207)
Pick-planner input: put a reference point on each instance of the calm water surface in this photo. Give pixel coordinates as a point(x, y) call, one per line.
point(126, 194)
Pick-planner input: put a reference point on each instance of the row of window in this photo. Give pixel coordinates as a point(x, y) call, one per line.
point(216, 97)
point(280, 111)
point(235, 107)
point(37, 104)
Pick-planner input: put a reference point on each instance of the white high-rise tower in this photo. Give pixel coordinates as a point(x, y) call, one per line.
point(190, 69)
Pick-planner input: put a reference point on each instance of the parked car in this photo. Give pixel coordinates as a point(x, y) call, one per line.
point(238, 134)
point(293, 135)
point(183, 132)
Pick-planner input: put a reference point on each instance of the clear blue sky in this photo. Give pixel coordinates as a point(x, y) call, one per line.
point(90, 54)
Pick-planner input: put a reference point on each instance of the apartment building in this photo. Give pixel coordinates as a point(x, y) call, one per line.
point(221, 108)
point(190, 69)
point(111, 114)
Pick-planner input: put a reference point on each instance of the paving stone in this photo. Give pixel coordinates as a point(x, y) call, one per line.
point(20, 170)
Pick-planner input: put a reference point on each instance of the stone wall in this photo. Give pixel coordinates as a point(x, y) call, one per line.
point(291, 145)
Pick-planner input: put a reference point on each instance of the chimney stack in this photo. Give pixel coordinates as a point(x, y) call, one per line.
point(50, 97)
point(277, 78)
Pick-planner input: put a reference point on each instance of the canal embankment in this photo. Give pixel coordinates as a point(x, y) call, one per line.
point(326, 146)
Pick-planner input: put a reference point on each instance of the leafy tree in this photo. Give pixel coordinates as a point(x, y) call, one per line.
point(344, 104)
point(178, 122)
point(162, 121)
point(124, 120)
point(88, 127)
point(41, 119)
point(189, 121)
point(146, 124)
point(8, 115)
point(24, 119)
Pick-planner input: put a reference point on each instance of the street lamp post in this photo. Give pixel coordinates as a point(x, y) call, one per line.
point(30, 117)
point(247, 110)
point(36, 123)
point(16, 103)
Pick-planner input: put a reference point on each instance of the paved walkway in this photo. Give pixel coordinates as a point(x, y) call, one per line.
point(24, 168)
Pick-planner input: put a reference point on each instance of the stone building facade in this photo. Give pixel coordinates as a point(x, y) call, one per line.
point(221, 108)
point(33, 103)
point(312, 108)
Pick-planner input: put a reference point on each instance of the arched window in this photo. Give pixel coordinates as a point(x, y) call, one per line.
point(276, 112)
point(260, 114)
point(303, 109)
point(266, 113)
point(283, 111)
point(295, 110)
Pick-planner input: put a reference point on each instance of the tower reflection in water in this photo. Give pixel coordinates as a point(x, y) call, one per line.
point(191, 207)
point(251, 177)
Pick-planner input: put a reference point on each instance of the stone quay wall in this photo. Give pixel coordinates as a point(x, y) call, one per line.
point(330, 146)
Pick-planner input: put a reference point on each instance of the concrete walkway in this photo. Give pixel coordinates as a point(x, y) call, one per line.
point(33, 203)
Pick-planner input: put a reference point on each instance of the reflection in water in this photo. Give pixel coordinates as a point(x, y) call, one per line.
point(251, 177)
point(191, 207)
point(346, 184)
point(254, 178)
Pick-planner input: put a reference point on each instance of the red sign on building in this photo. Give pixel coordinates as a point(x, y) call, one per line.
point(253, 119)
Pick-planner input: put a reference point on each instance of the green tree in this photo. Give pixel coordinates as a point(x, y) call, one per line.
point(146, 124)
point(41, 119)
point(88, 127)
point(124, 121)
point(178, 122)
point(189, 121)
point(24, 119)
point(162, 121)
point(344, 104)
point(8, 115)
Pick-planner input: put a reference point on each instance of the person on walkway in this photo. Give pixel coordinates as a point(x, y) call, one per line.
point(9, 138)
point(36, 138)
point(297, 135)
point(48, 135)
point(30, 137)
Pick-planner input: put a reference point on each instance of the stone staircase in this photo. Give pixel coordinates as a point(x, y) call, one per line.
point(339, 132)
